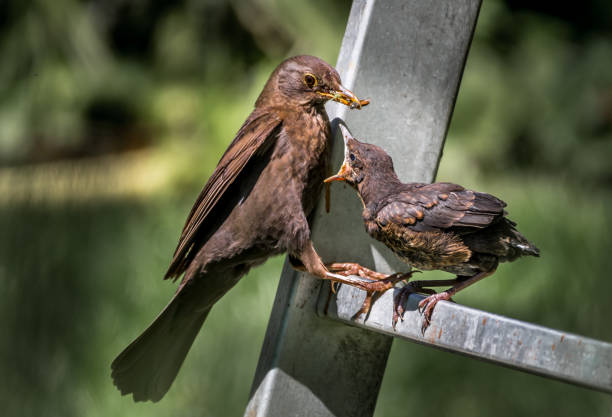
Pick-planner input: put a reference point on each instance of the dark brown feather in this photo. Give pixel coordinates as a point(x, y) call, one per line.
point(256, 204)
point(254, 138)
point(432, 226)
point(439, 206)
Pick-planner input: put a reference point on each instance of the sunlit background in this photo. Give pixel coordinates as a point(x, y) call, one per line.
point(114, 112)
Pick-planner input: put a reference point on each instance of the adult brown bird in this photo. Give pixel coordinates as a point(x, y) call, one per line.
point(430, 226)
point(255, 204)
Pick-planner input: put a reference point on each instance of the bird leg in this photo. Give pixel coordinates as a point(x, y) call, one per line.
point(350, 268)
point(427, 305)
point(309, 261)
point(352, 274)
point(366, 284)
point(416, 287)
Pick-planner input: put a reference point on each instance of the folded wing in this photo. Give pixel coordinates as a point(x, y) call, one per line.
point(441, 206)
point(253, 140)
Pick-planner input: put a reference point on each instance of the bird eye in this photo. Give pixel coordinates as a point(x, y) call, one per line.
point(310, 80)
point(352, 156)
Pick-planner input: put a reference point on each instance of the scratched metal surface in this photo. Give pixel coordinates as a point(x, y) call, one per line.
point(479, 334)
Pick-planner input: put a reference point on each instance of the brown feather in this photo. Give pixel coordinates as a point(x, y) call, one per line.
point(424, 250)
point(432, 226)
point(256, 204)
point(256, 135)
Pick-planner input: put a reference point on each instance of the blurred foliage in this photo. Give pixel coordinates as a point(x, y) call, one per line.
point(536, 97)
point(113, 113)
point(92, 77)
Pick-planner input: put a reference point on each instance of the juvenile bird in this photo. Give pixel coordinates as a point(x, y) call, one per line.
point(430, 226)
point(255, 204)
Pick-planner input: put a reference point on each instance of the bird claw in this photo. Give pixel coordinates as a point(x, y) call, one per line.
point(400, 299)
point(378, 284)
point(427, 305)
point(376, 288)
point(365, 307)
point(398, 305)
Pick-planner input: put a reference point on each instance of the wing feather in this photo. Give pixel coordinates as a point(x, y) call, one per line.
point(254, 138)
point(440, 206)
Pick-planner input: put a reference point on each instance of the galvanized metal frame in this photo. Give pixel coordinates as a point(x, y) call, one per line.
point(516, 344)
point(407, 56)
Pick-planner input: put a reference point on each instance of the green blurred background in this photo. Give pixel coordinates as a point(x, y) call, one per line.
point(114, 112)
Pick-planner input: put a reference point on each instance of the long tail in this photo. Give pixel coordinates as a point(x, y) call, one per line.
point(148, 366)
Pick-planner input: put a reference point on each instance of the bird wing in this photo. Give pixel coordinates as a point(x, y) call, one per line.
point(440, 206)
point(253, 140)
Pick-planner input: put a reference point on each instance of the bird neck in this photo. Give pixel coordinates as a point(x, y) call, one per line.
point(378, 185)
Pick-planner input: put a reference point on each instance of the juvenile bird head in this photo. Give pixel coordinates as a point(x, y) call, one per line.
point(307, 80)
point(362, 162)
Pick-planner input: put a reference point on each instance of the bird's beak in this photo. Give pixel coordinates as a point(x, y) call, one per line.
point(346, 136)
point(344, 169)
point(340, 176)
point(346, 97)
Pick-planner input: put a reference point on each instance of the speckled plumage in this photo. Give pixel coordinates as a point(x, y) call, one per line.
point(431, 226)
point(439, 226)
point(444, 226)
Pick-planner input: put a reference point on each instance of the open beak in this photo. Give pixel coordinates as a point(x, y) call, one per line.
point(344, 169)
point(346, 97)
point(340, 176)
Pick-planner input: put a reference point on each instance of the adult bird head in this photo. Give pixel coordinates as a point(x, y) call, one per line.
point(363, 161)
point(307, 81)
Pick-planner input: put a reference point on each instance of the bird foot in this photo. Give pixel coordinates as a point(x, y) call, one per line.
point(367, 305)
point(347, 269)
point(376, 288)
point(427, 305)
point(350, 268)
point(401, 297)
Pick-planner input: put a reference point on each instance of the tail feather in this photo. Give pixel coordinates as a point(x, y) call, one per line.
point(148, 366)
point(502, 240)
point(519, 243)
point(526, 247)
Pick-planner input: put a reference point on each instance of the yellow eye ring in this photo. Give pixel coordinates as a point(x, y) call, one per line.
point(310, 80)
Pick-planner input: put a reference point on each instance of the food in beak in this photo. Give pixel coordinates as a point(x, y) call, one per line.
point(346, 97)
